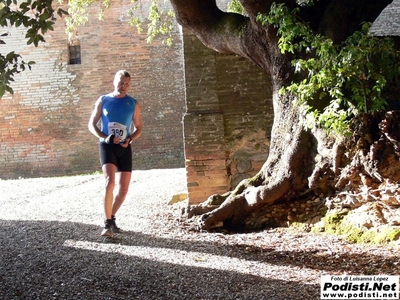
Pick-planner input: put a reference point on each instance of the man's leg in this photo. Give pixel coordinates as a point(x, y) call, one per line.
point(109, 171)
point(123, 187)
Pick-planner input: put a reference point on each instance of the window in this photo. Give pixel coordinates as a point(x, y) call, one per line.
point(74, 54)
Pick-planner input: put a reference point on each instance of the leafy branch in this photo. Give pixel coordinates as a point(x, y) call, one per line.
point(38, 17)
point(161, 22)
point(351, 76)
point(236, 7)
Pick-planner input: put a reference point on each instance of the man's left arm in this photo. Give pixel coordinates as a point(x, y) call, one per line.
point(137, 121)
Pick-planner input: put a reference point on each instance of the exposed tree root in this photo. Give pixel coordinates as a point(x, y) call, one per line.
point(236, 207)
point(214, 201)
point(364, 169)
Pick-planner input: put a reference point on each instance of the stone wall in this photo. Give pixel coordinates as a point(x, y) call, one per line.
point(227, 122)
point(43, 126)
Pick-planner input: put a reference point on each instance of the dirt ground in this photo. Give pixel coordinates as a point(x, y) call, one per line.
point(50, 248)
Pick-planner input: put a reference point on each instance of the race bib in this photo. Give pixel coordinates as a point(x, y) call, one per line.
point(117, 129)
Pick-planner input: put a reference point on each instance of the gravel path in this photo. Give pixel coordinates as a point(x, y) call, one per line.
point(50, 248)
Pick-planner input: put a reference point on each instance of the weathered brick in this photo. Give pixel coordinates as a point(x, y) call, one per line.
point(229, 115)
point(225, 119)
point(54, 100)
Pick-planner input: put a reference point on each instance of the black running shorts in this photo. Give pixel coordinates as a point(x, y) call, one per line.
point(116, 155)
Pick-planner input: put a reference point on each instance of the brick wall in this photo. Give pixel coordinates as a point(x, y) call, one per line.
point(43, 126)
point(228, 119)
point(209, 110)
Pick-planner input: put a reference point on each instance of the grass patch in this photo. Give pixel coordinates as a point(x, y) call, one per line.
point(337, 223)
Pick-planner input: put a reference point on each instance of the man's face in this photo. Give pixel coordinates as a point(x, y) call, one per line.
point(121, 86)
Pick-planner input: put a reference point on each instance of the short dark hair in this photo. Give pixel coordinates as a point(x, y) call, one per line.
point(123, 73)
point(119, 74)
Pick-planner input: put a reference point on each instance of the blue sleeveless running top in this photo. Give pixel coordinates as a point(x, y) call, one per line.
point(117, 115)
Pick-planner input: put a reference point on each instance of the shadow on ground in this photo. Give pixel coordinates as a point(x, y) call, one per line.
point(35, 263)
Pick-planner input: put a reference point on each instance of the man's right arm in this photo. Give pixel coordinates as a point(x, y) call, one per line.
point(94, 119)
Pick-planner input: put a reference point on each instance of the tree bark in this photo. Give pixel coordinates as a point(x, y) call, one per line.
point(298, 158)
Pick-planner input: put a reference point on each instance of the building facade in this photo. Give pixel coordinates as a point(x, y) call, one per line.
point(43, 126)
point(207, 112)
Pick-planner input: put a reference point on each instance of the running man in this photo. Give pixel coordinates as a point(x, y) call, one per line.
point(121, 124)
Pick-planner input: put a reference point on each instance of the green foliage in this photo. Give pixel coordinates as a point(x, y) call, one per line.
point(161, 23)
point(337, 223)
point(134, 19)
point(11, 64)
point(38, 17)
point(305, 2)
point(351, 76)
point(236, 7)
point(78, 16)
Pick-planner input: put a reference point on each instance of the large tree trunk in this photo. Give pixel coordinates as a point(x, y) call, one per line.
point(300, 161)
